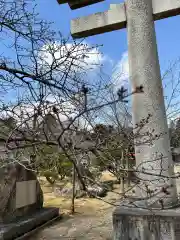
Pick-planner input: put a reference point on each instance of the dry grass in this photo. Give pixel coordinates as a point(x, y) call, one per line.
point(92, 218)
point(82, 205)
point(106, 176)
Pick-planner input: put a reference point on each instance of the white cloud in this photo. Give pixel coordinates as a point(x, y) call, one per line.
point(120, 74)
point(83, 56)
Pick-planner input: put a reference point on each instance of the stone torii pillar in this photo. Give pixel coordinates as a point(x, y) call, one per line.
point(139, 16)
point(153, 153)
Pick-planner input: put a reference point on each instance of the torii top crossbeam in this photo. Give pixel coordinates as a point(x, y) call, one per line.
point(74, 4)
point(115, 17)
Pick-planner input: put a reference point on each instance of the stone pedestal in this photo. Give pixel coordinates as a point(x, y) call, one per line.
point(23, 226)
point(132, 223)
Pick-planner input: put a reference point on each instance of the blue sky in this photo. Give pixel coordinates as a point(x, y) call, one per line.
point(115, 43)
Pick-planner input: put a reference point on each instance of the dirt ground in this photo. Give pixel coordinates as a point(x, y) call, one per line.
point(92, 220)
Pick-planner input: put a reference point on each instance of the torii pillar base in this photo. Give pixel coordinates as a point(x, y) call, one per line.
point(132, 223)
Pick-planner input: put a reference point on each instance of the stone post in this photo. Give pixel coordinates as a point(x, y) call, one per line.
point(152, 217)
point(152, 144)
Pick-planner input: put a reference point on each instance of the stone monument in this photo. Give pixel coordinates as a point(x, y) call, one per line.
point(157, 214)
point(21, 202)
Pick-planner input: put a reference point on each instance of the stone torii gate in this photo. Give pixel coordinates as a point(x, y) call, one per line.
point(155, 157)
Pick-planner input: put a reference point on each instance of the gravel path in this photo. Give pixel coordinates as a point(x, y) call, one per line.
point(79, 227)
point(93, 221)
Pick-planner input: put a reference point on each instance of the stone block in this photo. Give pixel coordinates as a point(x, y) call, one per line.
point(25, 193)
point(130, 223)
point(115, 18)
point(25, 224)
point(165, 8)
point(101, 22)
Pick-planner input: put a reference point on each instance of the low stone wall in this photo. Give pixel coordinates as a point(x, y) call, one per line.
point(142, 224)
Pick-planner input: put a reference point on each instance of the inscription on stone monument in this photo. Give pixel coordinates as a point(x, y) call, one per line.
point(25, 193)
